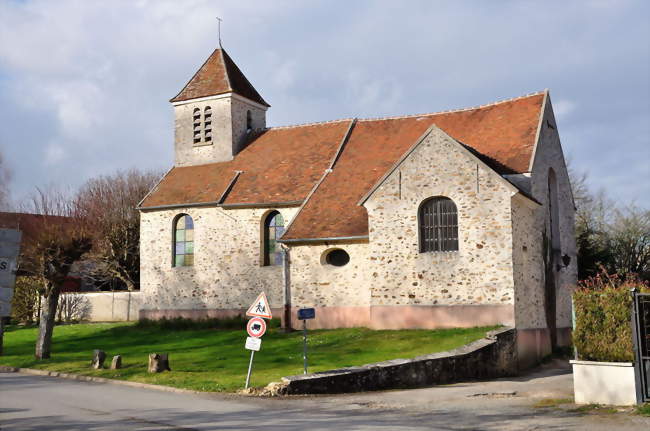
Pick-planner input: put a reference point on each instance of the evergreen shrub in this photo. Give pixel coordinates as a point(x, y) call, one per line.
point(603, 310)
point(24, 303)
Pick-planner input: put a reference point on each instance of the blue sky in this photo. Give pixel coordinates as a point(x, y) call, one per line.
point(84, 85)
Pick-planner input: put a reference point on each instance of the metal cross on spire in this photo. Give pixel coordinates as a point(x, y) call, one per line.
point(219, 27)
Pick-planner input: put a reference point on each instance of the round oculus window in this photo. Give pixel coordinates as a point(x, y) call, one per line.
point(337, 257)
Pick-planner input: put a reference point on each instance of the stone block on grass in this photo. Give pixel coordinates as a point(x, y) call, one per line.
point(117, 362)
point(159, 362)
point(99, 357)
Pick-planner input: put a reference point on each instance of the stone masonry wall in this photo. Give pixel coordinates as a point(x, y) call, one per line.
point(238, 112)
point(388, 276)
point(480, 272)
point(227, 272)
point(549, 155)
point(228, 130)
point(186, 152)
point(317, 284)
point(528, 265)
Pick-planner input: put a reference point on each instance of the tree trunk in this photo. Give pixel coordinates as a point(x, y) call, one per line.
point(46, 325)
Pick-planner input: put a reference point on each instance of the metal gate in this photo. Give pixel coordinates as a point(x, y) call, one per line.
point(641, 334)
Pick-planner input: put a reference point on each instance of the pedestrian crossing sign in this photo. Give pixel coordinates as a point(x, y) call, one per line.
point(260, 308)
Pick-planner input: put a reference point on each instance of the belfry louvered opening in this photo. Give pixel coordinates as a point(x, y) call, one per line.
point(438, 219)
point(196, 125)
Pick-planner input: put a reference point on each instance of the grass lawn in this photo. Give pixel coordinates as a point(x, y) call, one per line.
point(215, 360)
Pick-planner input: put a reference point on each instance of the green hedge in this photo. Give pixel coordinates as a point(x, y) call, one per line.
point(602, 307)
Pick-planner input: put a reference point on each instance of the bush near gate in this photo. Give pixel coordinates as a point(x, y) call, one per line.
point(603, 330)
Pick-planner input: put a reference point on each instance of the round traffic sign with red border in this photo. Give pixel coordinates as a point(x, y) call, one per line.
point(256, 327)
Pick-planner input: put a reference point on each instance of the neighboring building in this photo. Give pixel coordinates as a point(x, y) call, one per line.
point(453, 219)
point(30, 225)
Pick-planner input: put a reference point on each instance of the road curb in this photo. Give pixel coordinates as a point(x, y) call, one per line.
point(79, 377)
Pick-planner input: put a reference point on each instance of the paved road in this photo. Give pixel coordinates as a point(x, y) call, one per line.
point(30, 402)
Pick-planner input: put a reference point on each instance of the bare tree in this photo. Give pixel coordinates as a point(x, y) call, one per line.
point(630, 241)
point(609, 235)
point(5, 177)
point(73, 307)
point(593, 213)
point(109, 204)
point(60, 238)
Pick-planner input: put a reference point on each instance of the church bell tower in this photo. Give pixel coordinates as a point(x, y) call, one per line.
point(215, 113)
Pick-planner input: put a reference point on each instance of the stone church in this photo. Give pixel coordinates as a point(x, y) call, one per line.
point(450, 219)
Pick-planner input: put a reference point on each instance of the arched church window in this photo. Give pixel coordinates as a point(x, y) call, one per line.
point(183, 241)
point(249, 121)
point(273, 230)
point(207, 124)
point(196, 125)
point(438, 223)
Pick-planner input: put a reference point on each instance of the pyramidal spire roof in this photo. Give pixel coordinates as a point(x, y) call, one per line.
point(219, 75)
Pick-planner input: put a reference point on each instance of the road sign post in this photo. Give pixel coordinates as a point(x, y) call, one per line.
point(253, 344)
point(305, 314)
point(256, 327)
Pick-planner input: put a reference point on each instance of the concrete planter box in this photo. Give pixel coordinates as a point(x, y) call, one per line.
point(609, 383)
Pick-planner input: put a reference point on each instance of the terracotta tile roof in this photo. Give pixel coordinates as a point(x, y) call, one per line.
point(504, 133)
point(29, 224)
point(284, 164)
point(218, 75)
point(279, 165)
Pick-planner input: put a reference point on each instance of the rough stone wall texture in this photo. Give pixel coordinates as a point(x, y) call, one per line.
point(389, 271)
point(528, 264)
point(239, 133)
point(493, 356)
point(227, 272)
point(187, 153)
point(549, 155)
point(480, 272)
point(317, 284)
point(112, 306)
point(228, 130)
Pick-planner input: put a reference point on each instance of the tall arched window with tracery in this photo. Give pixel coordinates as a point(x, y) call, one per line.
point(183, 252)
point(438, 223)
point(273, 230)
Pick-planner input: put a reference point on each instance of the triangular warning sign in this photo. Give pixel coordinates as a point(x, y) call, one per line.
point(260, 307)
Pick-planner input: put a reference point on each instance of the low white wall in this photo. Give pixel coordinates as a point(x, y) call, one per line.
point(609, 383)
point(113, 306)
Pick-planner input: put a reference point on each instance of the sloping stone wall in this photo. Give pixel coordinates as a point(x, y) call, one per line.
point(490, 357)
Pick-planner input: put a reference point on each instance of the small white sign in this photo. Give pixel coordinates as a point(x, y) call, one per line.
point(260, 308)
point(253, 343)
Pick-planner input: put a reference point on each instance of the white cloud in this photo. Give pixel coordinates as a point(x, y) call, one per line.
point(95, 77)
point(563, 108)
point(54, 154)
